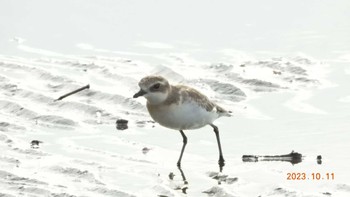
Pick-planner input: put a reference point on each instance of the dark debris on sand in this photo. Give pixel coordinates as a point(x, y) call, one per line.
point(222, 178)
point(122, 124)
point(35, 144)
point(293, 158)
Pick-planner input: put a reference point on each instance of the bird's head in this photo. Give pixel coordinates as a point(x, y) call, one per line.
point(154, 88)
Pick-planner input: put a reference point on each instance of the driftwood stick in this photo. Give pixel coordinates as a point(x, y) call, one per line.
point(73, 92)
point(292, 157)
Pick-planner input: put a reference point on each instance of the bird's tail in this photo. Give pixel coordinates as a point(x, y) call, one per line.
point(222, 112)
point(229, 114)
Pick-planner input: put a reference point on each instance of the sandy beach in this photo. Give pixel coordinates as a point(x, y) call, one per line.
point(283, 69)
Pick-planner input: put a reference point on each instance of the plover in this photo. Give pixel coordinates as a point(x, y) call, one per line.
point(181, 108)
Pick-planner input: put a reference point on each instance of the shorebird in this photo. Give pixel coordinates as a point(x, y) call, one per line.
point(180, 108)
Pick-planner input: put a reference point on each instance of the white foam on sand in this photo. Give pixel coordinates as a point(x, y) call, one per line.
point(299, 103)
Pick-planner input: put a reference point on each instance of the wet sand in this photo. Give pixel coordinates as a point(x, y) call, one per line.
point(83, 153)
point(287, 85)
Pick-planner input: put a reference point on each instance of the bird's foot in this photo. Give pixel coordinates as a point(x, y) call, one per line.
point(221, 163)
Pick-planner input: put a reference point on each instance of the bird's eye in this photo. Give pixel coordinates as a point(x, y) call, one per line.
point(156, 86)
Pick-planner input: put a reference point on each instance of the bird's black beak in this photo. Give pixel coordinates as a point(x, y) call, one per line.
point(140, 93)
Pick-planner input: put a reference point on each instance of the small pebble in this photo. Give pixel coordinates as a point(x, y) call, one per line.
point(319, 159)
point(171, 176)
point(35, 144)
point(145, 150)
point(122, 124)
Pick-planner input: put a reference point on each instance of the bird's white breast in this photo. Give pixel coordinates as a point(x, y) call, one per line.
point(182, 116)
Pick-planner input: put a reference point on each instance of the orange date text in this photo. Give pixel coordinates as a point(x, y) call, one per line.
point(310, 176)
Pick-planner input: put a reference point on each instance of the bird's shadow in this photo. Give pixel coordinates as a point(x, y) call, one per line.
point(185, 184)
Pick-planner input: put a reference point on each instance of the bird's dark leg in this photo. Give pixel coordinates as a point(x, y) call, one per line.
point(221, 157)
point(185, 186)
point(183, 175)
point(183, 148)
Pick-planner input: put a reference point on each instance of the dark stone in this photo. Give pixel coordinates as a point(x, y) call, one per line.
point(171, 176)
point(145, 150)
point(35, 143)
point(122, 124)
point(319, 159)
